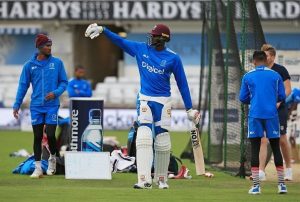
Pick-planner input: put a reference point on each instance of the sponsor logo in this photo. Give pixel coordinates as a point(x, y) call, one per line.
point(163, 63)
point(169, 112)
point(142, 177)
point(33, 67)
point(54, 117)
point(145, 56)
point(144, 109)
point(194, 138)
point(51, 66)
point(152, 68)
point(275, 132)
point(33, 120)
point(251, 132)
point(74, 131)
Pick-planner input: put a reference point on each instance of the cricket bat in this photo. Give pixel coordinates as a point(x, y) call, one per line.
point(197, 150)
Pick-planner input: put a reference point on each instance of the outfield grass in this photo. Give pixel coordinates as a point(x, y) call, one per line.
point(222, 187)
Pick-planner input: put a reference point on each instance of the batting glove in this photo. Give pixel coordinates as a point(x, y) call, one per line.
point(93, 30)
point(193, 115)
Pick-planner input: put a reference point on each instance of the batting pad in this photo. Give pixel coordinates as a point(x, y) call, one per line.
point(162, 147)
point(144, 154)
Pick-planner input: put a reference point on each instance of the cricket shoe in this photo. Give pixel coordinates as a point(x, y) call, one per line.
point(282, 188)
point(51, 166)
point(288, 174)
point(184, 173)
point(143, 185)
point(162, 185)
point(254, 190)
point(37, 173)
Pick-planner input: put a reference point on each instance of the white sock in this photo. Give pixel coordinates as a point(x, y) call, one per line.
point(144, 154)
point(38, 165)
point(52, 156)
point(162, 147)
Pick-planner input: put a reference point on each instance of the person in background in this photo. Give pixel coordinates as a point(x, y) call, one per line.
point(262, 89)
point(48, 79)
point(283, 117)
point(78, 86)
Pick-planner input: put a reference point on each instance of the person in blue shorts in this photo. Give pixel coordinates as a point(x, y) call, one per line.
point(262, 88)
point(48, 79)
point(156, 63)
point(282, 109)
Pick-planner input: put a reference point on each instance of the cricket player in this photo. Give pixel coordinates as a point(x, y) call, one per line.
point(48, 79)
point(78, 86)
point(263, 88)
point(283, 117)
point(156, 63)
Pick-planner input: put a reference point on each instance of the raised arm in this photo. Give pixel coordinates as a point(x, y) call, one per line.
point(130, 47)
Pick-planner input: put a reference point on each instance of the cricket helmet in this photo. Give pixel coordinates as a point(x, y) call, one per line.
point(159, 35)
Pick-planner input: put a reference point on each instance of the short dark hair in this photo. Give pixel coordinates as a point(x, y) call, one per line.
point(77, 67)
point(259, 56)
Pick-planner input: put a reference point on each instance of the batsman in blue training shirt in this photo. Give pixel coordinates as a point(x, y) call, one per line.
point(48, 79)
point(263, 88)
point(155, 63)
point(78, 86)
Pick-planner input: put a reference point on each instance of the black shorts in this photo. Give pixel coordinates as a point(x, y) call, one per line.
point(283, 117)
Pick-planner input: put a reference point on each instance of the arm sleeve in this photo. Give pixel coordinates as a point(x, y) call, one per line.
point(244, 92)
point(281, 90)
point(87, 92)
point(24, 83)
point(71, 91)
point(182, 84)
point(285, 74)
point(62, 81)
point(130, 47)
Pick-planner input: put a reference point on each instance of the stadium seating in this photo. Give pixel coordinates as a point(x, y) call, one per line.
point(116, 92)
point(122, 92)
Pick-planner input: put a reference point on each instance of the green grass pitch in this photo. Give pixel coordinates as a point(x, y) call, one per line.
point(222, 187)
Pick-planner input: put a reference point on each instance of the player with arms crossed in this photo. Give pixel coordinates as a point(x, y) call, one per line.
point(283, 117)
point(156, 63)
point(48, 79)
point(262, 88)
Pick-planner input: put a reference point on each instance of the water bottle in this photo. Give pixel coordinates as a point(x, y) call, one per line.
point(92, 137)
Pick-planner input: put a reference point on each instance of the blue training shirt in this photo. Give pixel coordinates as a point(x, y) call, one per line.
point(155, 68)
point(262, 88)
point(79, 88)
point(45, 76)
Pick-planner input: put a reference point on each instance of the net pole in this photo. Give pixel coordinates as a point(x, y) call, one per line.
point(210, 45)
point(226, 79)
point(243, 51)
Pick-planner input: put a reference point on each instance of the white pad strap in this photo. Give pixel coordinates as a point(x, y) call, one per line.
point(162, 148)
point(144, 154)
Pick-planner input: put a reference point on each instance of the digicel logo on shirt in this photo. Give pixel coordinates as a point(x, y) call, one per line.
point(152, 68)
